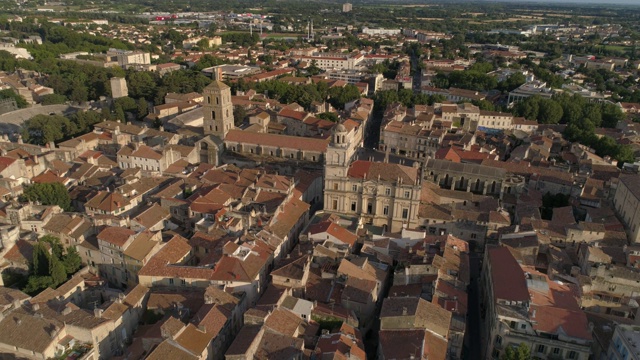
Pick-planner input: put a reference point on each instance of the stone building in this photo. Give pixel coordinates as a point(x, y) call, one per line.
point(382, 193)
point(119, 87)
point(627, 203)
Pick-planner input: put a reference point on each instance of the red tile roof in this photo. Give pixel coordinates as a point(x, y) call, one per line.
point(507, 276)
point(297, 115)
point(6, 162)
point(115, 235)
point(334, 230)
point(278, 141)
point(107, 201)
point(385, 171)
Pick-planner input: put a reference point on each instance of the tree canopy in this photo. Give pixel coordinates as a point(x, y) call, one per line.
point(522, 352)
point(51, 264)
point(49, 194)
point(42, 129)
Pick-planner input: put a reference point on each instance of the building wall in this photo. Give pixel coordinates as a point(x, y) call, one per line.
point(627, 205)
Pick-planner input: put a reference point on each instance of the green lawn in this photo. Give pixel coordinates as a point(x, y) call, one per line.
point(617, 47)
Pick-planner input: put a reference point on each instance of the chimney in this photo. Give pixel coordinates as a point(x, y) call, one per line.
point(97, 313)
point(35, 307)
point(404, 311)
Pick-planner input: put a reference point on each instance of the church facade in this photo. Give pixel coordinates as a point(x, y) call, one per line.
point(380, 193)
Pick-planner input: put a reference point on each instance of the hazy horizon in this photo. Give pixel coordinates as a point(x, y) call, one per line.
point(590, 2)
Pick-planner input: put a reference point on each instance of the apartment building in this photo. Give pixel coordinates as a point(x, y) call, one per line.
point(523, 305)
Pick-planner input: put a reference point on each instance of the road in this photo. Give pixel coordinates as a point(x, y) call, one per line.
point(472, 340)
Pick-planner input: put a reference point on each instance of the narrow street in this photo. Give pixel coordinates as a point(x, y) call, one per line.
point(472, 340)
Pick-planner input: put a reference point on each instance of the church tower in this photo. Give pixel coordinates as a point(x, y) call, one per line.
point(338, 156)
point(218, 109)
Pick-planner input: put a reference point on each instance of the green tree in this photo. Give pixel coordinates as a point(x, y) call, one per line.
point(528, 108)
point(41, 129)
point(53, 99)
point(128, 104)
point(313, 68)
point(72, 260)
point(141, 84)
point(56, 246)
point(40, 260)
point(484, 105)
point(36, 284)
point(522, 352)
point(142, 108)
point(512, 82)
point(611, 115)
point(211, 30)
point(49, 194)
point(329, 116)
point(549, 111)
point(239, 114)
point(339, 96)
point(9, 93)
point(119, 111)
point(57, 271)
point(79, 94)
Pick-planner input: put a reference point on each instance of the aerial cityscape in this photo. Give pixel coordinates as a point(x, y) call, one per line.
point(347, 180)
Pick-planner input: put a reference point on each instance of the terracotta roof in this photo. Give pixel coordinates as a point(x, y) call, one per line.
point(6, 162)
point(385, 171)
point(211, 318)
point(346, 344)
point(294, 270)
point(48, 177)
point(507, 276)
point(297, 115)
point(247, 335)
point(117, 236)
point(402, 344)
point(278, 141)
point(334, 230)
point(107, 201)
point(292, 211)
point(21, 252)
point(284, 322)
point(167, 350)
point(141, 246)
point(194, 340)
point(152, 216)
point(146, 152)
